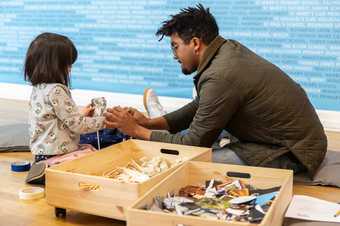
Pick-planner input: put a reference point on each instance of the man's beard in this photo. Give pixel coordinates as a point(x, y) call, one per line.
point(188, 71)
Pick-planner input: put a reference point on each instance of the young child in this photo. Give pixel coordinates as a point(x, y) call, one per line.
point(55, 121)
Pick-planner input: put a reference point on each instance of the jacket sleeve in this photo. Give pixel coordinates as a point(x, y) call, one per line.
point(69, 115)
point(180, 119)
point(219, 98)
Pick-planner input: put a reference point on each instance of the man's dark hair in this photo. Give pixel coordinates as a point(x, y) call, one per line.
point(48, 59)
point(191, 22)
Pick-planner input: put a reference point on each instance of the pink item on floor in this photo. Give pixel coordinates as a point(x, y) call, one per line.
point(84, 149)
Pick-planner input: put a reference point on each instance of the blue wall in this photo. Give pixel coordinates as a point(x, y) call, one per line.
point(118, 51)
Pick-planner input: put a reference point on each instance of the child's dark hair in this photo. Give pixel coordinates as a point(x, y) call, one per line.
point(191, 22)
point(48, 59)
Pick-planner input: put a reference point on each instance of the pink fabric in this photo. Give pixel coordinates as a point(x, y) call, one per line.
point(84, 149)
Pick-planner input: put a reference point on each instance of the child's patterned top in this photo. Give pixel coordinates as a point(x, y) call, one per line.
point(55, 121)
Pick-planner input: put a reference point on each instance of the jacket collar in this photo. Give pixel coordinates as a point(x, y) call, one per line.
point(208, 55)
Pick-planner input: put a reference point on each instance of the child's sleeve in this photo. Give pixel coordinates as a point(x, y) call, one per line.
point(69, 115)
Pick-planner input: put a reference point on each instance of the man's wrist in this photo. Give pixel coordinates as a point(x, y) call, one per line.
point(142, 133)
point(147, 123)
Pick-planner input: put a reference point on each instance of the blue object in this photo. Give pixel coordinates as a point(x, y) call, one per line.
point(107, 137)
point(20, 166)
point(263, 199)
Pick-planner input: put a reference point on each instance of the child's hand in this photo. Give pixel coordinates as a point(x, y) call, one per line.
point(87, 111)
point(121, 118)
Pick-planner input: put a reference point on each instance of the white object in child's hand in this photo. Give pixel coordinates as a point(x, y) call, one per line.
point(99, 105)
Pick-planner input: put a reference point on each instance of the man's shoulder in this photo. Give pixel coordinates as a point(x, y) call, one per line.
point(224, 62)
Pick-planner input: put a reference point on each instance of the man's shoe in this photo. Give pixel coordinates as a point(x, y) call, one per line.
point(152, 105)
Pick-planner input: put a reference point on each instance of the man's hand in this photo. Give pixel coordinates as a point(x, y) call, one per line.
point(87, 111)
point(140, 118)
point(158, 123)
point(123, 119)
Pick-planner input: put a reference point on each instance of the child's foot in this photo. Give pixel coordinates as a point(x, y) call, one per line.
point(152, 105)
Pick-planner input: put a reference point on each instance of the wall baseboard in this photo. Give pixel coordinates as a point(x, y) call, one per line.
point(83, 97)
point(329, 119)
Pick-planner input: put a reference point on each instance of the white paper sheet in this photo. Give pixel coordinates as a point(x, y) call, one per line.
point(309, 208)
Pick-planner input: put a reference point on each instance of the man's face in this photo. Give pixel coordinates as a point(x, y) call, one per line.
point(184, 54)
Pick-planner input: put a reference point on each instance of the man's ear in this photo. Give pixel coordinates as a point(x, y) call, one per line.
point(197, 42)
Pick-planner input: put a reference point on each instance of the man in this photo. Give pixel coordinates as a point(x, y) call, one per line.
point(238, 91)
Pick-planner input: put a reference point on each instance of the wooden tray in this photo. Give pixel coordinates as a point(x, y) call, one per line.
point(194, 173)
point(65, 181)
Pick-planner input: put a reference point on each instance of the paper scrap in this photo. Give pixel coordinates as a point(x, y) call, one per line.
point(313, 209)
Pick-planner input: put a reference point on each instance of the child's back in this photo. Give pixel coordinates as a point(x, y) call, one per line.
point(55, 121)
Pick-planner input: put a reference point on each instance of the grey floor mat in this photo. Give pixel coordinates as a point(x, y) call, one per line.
point(13, 111)
point(13, 125)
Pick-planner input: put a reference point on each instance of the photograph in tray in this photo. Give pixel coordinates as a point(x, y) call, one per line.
point(226, 200)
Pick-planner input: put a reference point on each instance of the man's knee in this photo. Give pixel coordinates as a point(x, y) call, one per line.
point(287, 161)
point(226, 155)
